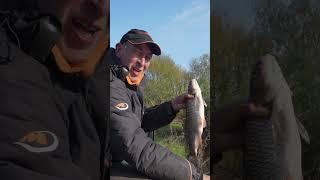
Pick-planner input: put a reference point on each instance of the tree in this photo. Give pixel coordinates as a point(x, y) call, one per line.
point(166, 80)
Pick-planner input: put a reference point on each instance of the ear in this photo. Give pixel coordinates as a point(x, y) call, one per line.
point(119, 48)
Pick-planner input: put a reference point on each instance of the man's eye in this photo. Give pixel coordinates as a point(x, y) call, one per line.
point(138, 53)
point(148, 58)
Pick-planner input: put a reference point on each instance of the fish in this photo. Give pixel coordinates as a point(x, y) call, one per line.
point(195, 119)
point(272, 145)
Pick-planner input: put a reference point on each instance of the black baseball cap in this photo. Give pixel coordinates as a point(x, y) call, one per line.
point(138, 36)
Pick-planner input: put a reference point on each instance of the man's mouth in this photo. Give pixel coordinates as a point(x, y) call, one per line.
point(136, 71)
point(85, 29)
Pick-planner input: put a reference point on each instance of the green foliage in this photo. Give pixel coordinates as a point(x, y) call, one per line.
point(174, 144)
point(233, 54)
point(166, 80)
point(172, 137)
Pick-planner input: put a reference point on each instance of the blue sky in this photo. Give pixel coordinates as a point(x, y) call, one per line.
point(180, 27)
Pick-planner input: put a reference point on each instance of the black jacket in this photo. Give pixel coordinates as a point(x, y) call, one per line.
point(129, 124)
point(48, 126)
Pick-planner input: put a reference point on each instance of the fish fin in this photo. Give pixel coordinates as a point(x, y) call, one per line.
point(204, 103)
point(204, 123)
point(303, 132)
point(199, 145)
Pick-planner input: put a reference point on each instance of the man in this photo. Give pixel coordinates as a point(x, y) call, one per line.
point(49, 125)
point(130, 121)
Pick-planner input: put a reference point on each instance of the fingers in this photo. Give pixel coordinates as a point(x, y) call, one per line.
point(189, 96)
point(251, 110)
point(258, 110)
point(177, 106)
point(229, 118)
point(180, 106)
point(180, 101)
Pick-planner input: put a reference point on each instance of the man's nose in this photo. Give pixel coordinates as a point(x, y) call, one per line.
point(142, 61)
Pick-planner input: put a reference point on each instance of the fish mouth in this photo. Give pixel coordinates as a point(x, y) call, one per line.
point(191, 90)
point(258, 86)
point(193, 87)
point(192, 94)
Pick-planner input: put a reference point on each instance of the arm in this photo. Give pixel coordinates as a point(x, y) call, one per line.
point(164, 113)
point(130, 142)
point(158, 116)
point(228, 120)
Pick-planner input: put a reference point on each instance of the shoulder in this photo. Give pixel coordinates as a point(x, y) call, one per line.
point(26, 87)
point(22, 78)
point(15, 64)
point(117, 86)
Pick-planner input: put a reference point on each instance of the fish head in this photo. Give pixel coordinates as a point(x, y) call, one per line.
point(193, 87)
point(266, 80)
point(258, 85)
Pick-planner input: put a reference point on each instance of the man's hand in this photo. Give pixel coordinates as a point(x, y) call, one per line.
point(179, 102)
point(228, 124)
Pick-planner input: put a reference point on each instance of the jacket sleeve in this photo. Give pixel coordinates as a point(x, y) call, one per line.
point(33, 135)
point(130, 142)
point(158, 116)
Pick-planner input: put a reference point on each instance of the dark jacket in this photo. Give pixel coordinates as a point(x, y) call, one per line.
point(130, 122)
point(49, 129)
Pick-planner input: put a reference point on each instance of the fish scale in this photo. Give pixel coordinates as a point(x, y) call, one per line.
point(194, 123)
point(259, 152)
point(192, 120)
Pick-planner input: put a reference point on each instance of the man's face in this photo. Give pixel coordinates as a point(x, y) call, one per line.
point(136, 57)
point(82, 21)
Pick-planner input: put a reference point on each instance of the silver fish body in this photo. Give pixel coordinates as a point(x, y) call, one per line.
point(280, 133)
point(195, 119)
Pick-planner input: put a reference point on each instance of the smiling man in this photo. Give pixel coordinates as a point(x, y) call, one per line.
point(81, 23)
point(131, 122)
point(53, 122)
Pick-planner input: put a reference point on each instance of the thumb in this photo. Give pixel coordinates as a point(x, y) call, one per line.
point(178, 107)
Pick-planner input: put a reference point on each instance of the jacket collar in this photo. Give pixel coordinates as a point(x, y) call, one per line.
point(86, 68)
point(114, 60)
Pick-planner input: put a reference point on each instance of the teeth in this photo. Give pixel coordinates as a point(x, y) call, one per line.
point(84, 26)
point(85, 35)
point(82, 32)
